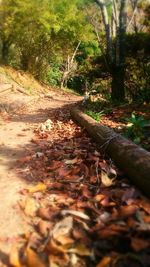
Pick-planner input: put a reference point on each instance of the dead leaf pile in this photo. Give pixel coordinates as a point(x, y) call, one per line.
point(83, 211)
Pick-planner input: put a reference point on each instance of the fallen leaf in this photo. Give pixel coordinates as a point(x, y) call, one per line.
point(105, 262)
point(145, 205)
point(112, 230)
point(34, 240)
point(14, 257)
point(44, 227)
point(63, 227)
point(54, 165)
point(79, 233)
point(126, 211)
point(33, 259)
point(64, 172)
point(37, 188)
point(55, 249)
point(30, 207)
point(75, 213)
point(72, 161)
point(139, 244)
point(65, 240)
point(106, 181)
point(44, 213)
point(99, 197)
point(81, 250)
point(104, 217)
point(146, 219)
point(58, 260)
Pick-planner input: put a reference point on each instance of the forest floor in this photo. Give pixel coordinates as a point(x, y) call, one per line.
point(61, 202)
point(131, 120)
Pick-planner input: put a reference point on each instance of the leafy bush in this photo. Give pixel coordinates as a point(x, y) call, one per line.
point(54, 75)
point(95, 115)
point(135, 128)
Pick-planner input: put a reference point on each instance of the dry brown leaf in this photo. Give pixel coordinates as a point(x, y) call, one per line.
point(63, 227)
point(54, 165)
point(75, 213)
point(145, 205)
point(99, 197)
point(37, 188)
point(105, 262)
point(33, 259)
point(78, 233)
point(60, 260)
point(111, 230)
point(63, 172)
point(131, 222)
point(126, 211)
point(105, 202)
point(14, 258)
point(139, 244)
point(65, 240)
point(86, 192)
point(30, 207)
point(72, 161)
point(44, 227)
point(44, 213)
point(146, 219)
point(81, 250)
point(55, 249)
point(106, 181)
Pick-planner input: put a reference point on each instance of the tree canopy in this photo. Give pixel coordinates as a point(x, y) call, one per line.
point(72, 43)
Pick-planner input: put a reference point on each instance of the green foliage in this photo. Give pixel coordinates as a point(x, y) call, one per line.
point(38, 32)
point(39, 36)
point(95, 115)
point(53, 75)
point(135, 128)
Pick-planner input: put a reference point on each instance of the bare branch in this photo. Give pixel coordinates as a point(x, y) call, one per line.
point(134, 7)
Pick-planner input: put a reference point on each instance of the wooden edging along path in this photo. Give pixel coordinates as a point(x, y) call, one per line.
point(130, 158)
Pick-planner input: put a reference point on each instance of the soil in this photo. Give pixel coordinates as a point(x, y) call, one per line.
point(16, 133)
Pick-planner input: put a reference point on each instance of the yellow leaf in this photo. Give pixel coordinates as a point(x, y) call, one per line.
point(30, 207)
point(14, 259)
point(105, 262)
point(33, 259)
point(37, 188)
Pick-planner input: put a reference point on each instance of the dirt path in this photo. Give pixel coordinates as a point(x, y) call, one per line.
point(16, 133)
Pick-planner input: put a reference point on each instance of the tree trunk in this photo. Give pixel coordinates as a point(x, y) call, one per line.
point(117, 85)
point(4, 52)
point(24, 62)
point(129, 157)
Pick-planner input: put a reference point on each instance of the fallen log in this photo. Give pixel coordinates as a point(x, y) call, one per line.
point(130, 158)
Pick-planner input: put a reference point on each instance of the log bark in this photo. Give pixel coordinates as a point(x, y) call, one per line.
point(130, 158)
